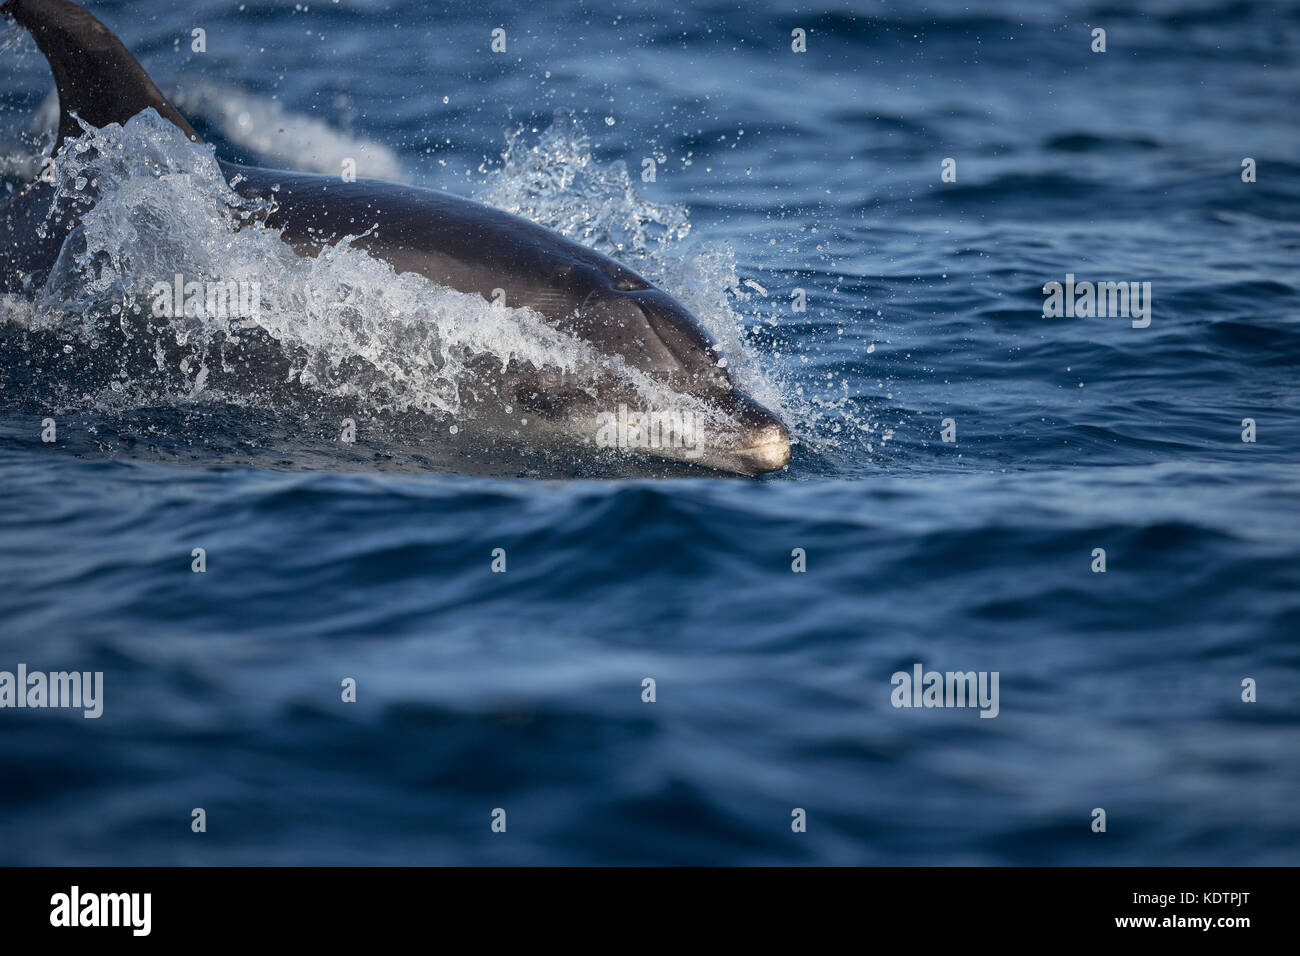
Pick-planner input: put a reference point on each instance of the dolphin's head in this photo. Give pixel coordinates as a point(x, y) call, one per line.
point(657, 335)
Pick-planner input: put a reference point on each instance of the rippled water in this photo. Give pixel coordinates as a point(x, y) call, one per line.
point(776, 171)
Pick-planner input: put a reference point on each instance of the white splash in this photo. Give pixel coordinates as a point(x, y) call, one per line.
point(265, 127)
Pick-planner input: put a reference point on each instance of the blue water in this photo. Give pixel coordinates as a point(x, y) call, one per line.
point(523, 691)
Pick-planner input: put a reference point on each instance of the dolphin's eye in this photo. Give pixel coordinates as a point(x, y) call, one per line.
point(629, 282)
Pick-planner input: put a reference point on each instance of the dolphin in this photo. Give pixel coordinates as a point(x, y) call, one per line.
point(464, 245)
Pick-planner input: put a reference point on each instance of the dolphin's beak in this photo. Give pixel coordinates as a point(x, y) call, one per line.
point(656, 334)
point(770, 451)
point(761, 444)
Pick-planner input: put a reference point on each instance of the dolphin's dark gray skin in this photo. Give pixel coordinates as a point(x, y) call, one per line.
point(455, 242)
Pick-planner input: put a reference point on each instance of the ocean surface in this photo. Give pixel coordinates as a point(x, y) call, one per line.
point(775, 171)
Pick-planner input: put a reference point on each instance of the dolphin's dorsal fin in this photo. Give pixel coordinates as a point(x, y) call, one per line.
point(97, 77)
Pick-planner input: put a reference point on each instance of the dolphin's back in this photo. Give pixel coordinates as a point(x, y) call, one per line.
point(455, 242)
point(474, 248)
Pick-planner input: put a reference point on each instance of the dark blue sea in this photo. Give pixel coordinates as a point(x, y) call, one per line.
point(1164, 691)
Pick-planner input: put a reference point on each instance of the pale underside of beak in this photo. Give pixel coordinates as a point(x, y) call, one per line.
point(769, 452)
